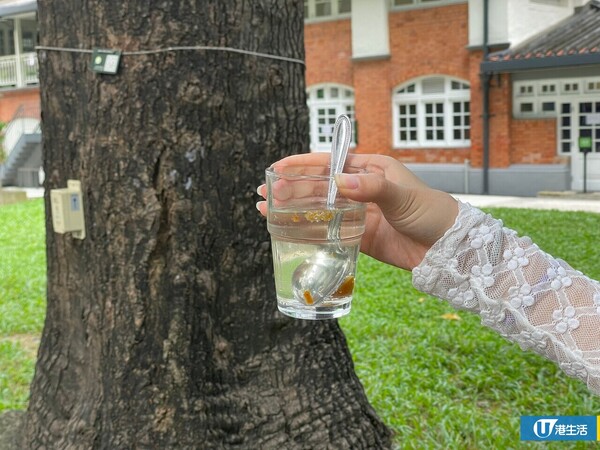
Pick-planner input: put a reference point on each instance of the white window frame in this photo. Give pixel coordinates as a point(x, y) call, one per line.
point(560, 3)
point(569, 124)
point(414, 4)
point(565, 125)
point(571, 87)
point(570, 92)
point(594, 88)
point(547, 88)
point(564, 89)
point(342, 103)
point(311, 7)
point(417, 101)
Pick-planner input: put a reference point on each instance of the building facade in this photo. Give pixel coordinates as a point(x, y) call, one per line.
point(409, 72)
point(20, 153)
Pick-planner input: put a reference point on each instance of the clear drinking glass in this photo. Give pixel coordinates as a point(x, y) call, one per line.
point(298, 220)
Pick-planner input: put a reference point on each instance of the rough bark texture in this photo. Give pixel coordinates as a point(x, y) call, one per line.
point(162, 330)
point(11, 427)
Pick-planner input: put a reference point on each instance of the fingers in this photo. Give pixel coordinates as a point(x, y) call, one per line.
point(293, 186)
point(318, 163)
point(303, 160)
point(261, 205)
point(262, 190)
point(296, 178)
point(290, 190)
point(386, 182)
point(391, 198)
point(404, 216)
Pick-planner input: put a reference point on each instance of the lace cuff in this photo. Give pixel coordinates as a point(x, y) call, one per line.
point(525, 294)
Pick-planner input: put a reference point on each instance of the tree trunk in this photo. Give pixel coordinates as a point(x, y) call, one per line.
point(162, 329)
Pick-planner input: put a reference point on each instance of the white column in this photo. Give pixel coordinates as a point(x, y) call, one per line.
point(18, 52)
point(370, 29)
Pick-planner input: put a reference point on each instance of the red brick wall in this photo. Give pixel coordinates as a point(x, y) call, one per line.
point(328, 52)
point(11, 100)
point(373, 107)
point(429, 41)
point(534, 141)
point(500, 120)
point(476, 153)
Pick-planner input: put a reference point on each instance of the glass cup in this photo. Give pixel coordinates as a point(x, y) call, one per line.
point(315, 247)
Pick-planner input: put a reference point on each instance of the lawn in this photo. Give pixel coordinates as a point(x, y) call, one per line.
point(436, 376)
point(22, 297)
point(440, 379)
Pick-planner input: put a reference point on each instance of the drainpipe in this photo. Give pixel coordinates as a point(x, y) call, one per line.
point(485, 84)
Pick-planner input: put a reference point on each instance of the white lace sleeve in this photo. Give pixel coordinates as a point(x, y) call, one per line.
point(525, 294)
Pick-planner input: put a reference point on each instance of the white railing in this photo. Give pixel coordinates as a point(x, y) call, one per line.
point(30, 177)
point(25, 121)
point(29, 68)
point(26, 73)
point(8, 71)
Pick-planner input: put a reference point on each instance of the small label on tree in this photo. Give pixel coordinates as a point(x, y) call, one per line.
point(105, 61)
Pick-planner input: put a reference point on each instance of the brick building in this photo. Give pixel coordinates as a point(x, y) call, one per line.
point(410, 73)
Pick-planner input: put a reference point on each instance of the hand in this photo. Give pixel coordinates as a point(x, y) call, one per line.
point(404, 216)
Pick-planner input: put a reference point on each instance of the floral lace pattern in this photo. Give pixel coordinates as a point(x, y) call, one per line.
point(525, 294)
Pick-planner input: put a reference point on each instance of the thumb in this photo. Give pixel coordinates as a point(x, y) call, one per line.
point(391, 198)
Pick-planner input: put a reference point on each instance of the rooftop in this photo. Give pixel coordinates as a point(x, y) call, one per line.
point(571, 42)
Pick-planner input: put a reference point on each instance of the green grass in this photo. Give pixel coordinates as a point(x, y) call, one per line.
point(441, 383)
point(22, 267)
point(16, 371)
point(438, 383)
point(22, 297)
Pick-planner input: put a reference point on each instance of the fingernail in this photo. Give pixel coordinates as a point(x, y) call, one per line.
point(347, 181)
point(257, 205)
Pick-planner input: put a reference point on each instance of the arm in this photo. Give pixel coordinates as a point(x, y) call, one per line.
point(458, 253)
point(526, 295)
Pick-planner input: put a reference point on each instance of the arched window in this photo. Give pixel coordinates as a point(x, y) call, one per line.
point(325, 103)
point(432, 112)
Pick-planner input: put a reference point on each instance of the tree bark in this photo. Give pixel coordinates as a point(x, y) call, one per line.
point(162, 329)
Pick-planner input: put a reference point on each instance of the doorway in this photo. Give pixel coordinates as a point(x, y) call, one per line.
point(581, 119)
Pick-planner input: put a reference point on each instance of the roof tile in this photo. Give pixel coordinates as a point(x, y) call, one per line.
point(576, 34)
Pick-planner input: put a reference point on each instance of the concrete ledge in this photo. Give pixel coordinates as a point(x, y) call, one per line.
point(8, 197)
point(523, 180)
point(570, 194)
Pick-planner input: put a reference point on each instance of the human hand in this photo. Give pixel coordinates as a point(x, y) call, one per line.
point(404, 216)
